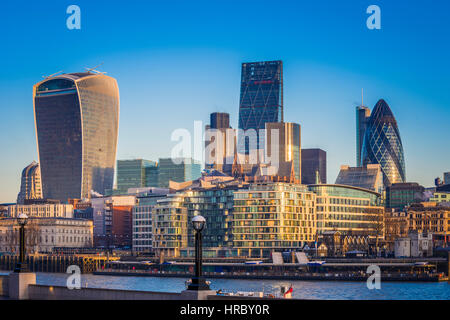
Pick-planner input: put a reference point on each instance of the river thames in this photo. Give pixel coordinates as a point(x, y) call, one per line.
point(321, 290)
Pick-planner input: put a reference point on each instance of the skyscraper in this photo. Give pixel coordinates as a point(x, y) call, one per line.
point(77, 123)
point(30, 187)
point(220, 120)
point(177, 170)
point(132, 174)
point(362, 118)
point(261, 98)
point(288, 145)
point(219, 128)
point(383, 145)
point(314, 165)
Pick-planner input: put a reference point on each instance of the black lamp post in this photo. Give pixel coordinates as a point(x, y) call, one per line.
point(21, 266)
point(198, 282)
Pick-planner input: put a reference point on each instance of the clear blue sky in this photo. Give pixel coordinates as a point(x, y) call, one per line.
point(178, 61)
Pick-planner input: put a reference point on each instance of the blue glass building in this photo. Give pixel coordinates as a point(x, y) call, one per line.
point(261, 98)
point(383, 145)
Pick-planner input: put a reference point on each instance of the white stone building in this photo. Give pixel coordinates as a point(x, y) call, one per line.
point(417, 244)
point(45, 234)
point(42, 210)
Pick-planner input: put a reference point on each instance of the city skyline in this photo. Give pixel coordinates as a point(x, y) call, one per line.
point(327, 120)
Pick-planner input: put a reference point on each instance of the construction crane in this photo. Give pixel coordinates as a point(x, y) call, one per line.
point(52, 75)
point(89, 70)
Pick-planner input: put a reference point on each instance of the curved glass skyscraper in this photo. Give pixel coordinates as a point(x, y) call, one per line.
point(77, 123)
point(383, 145)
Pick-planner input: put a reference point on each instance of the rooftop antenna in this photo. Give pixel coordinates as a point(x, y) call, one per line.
point(94, 69)
point(52, 75)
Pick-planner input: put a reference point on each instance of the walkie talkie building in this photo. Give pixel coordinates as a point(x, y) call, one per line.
point(383, 145)
point(77, 124)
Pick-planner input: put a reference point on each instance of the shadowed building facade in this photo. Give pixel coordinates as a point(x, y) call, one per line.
point(383, 145)
point(362, 119)
point(133, 174)
point(77, 122)
point(314, 166)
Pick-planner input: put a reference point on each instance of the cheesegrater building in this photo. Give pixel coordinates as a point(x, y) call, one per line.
point(77, 123)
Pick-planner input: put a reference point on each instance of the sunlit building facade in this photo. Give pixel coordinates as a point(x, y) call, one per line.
point(170, 226)
point(431, 217)
point(348, 210)
point(273, 217)
point(366, 177)
point(30, 187)
point(383, 145)
point(77, 122)
point(288, 145)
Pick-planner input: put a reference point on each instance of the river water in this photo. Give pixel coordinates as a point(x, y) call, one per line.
point(322, 290)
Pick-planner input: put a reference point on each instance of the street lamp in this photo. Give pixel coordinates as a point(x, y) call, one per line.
point(198, 283)
point(21, 266)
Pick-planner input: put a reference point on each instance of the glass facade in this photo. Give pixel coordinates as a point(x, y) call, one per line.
point(288, 145)
point(261, 99)
point(132, 173)
point(349, 210)
point(177, 170)
point(77, 120)
point(142, 223)
point(362, 118)
point(216, 206)
point(170, 226)
point(383, 145)
point(400, 195)
point(368, 177)
point(274, 216)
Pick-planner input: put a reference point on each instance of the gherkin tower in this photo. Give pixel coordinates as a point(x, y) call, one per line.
point(383, 145)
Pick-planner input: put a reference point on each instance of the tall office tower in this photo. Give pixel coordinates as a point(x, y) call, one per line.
point(368, 177)
point(446, 177)
point(288, 145)
point(216, 156)
point(383, 145)
point(77, 124)
point(152, 176)
point(314, 166)
point(30, 187)
point(261, 98)
point(362, 118)
point(177, 170)
point(220, 120)
point(132, 174)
